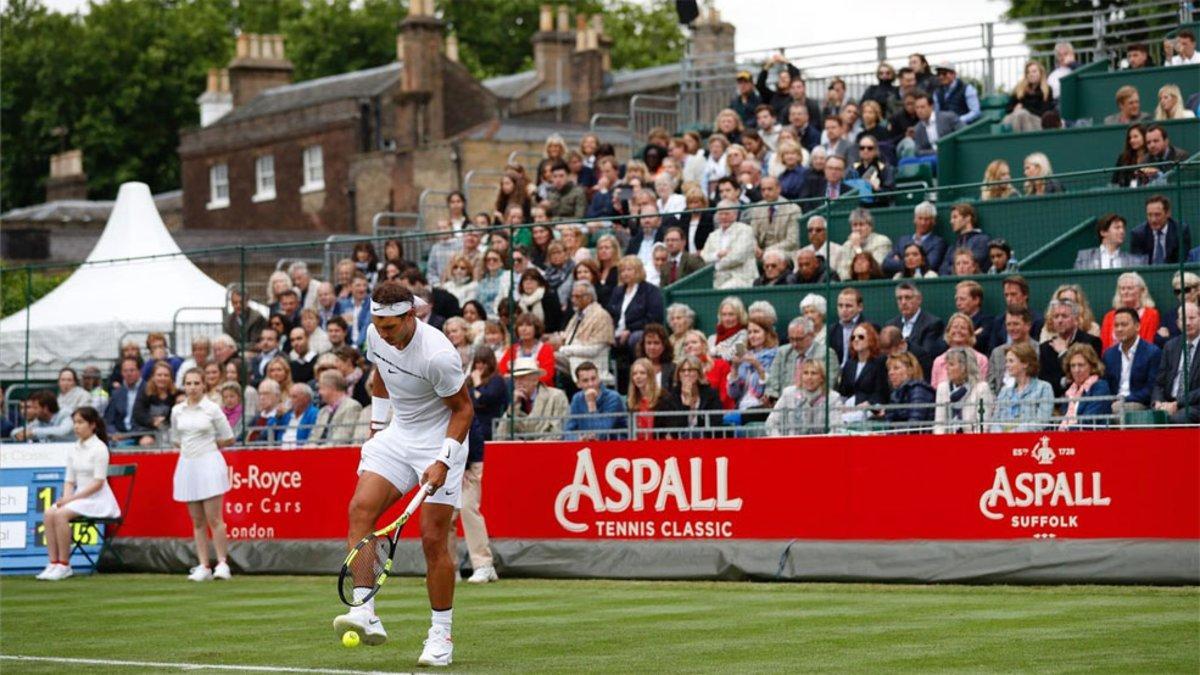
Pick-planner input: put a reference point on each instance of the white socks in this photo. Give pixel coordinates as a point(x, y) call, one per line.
point(443, 618)
point(368, 606)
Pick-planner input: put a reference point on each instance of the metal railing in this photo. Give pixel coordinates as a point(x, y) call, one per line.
point(648, 112)
point(626, 425)
point(991, 54)
point(782, 421)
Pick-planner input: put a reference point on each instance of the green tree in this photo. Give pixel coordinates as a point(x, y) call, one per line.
point(494, 35)
point(120, 80)
point(643, 35)
point(338, 36)
point(1139, 20)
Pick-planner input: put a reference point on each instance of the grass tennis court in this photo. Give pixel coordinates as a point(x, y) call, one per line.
point(613, 626)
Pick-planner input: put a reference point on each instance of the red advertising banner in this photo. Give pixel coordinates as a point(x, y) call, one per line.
point(1129, 484)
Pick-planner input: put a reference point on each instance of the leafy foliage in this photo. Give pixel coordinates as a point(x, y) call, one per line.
point(17, 292)
point(120, 80)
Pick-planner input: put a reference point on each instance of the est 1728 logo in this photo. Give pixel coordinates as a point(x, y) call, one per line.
point(1041, 489)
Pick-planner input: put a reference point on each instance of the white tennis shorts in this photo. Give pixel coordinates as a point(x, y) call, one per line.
point(402, 465)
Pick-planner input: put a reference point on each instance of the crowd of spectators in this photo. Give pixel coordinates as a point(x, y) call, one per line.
point(593, 351)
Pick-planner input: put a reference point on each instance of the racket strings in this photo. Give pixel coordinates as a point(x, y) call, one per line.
point(366, 569)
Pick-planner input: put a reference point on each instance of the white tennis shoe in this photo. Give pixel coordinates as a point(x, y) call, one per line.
point(45, 573)
point(221, 571)
point(483, 575)
point(200, 573)
point(367, 625)
point(439, 650)
point(59, 573)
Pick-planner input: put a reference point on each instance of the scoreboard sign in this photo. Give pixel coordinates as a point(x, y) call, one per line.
point(31, 480)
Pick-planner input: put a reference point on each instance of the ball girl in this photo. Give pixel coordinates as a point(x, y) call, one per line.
point(85, 491)
point(199, 429)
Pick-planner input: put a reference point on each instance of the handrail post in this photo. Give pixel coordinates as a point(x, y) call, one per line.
point(881, 48)
point(989, 70)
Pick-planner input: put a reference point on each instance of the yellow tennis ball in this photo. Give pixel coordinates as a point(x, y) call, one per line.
point(350, 639)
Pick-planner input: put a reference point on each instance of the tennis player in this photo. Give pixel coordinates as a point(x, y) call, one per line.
point(418, 376)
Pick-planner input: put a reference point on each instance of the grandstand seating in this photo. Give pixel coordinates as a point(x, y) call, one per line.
point(879, 300)
point(963, 156)
point(1090, 92)
point(1028, 224)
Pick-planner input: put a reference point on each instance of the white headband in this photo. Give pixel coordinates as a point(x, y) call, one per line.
point(396, 309)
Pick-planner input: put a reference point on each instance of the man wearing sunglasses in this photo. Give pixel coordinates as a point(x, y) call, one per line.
point(872, 168)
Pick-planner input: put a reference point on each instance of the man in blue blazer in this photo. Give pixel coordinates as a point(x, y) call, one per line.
point(922, 331)
point(1131, 365)
point(118, 415)
point(924, 220)
point(1160, 238)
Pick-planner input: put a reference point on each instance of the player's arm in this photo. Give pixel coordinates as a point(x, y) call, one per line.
point(380, 403)
point(462, 412)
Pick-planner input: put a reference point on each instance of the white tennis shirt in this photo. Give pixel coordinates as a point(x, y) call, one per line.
point(417, 378)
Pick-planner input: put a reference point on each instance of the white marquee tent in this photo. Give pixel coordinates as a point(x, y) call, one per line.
point(82, 320)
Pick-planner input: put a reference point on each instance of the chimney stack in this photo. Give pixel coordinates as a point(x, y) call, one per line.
point(216, 100)
point(553, 46)
point(67, 179)
point(589, 64)
point(422, 37)
point(260, 63)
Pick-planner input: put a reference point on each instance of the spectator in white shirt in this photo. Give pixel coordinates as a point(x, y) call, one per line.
point(1185, 45)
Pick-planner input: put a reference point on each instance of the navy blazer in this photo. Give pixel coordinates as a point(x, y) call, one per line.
point(983, 332)
point(925, 341)
point(933, 245)
point(116, 410)
point(683, 222)
point(1141, 242)
point(1051, 362)
point(871, 385)
point(834, 333)
point(646, 306)
point(1144, 371)
point(814, 188)
point(1087, 411)
point(635, 240)
point(1164, 385)
point(977, 242)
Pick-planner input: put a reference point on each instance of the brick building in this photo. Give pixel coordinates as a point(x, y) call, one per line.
point(327, 154)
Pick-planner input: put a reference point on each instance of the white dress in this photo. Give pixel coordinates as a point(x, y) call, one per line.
point(86, 464)
point(201, 471)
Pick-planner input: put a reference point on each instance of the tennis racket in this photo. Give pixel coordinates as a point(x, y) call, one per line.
point(368, 563)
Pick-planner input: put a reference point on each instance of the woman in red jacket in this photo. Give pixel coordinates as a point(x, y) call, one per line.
point(716, 370)
point(529, 344)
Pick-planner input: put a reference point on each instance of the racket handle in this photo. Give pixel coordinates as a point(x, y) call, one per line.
point(423, 491)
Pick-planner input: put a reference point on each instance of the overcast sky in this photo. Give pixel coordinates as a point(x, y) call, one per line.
point(766, 24)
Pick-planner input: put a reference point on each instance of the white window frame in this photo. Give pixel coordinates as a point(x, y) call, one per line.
point(314, 169)
point(218, 180)
point(264, 178)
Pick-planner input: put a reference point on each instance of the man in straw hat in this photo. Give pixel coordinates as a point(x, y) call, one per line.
point(538, 410)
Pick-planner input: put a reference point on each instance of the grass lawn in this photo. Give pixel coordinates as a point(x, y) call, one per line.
point(614, 626)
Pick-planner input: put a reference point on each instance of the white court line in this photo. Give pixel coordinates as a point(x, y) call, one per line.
point(186, 666)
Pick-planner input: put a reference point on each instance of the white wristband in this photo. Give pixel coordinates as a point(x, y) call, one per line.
point(381, 409)
point(452, 453)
